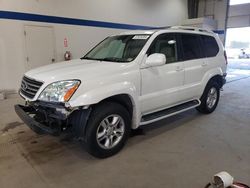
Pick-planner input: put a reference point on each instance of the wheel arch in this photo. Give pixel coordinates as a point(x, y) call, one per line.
point(123, 99)
point(218, 79)
point(82, 115)
point(215, 74)
point(129, 103)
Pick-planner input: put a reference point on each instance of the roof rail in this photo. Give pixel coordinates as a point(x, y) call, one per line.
point(192, 29)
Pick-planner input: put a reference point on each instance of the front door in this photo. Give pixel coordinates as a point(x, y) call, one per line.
point(40, 46)
point(161, 84)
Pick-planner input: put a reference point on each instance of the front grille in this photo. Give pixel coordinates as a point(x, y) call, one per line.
point(29, 87)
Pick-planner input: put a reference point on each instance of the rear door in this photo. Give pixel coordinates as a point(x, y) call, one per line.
point(211, 49)
point(195, 64)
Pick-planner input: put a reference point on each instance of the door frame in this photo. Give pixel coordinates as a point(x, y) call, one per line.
point(178, 61)
point(25, 43)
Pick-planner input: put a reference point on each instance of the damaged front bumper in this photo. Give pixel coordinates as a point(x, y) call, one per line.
point(26, 113)
point(53, 119)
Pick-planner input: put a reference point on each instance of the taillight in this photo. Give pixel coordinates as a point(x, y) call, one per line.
point(225, 55)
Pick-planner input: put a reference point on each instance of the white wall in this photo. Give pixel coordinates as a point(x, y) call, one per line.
point(215, 9)
point(155, 13)
point(205, 23)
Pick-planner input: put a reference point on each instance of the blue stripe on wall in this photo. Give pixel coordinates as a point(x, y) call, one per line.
point(220, 32)
point(73, 21)
point(68, 21)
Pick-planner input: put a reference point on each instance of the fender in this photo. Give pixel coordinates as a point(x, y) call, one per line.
point(210, 74)
point(101, 93)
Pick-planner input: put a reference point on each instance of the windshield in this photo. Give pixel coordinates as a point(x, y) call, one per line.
point(124, 48)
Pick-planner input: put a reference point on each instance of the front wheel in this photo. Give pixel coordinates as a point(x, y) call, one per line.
point(107, 130)
point(210, 98)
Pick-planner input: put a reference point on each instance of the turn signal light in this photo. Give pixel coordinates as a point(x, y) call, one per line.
point(70, 92)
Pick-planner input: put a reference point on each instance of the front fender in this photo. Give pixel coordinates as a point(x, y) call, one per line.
point(96, 95)
point(99, 94)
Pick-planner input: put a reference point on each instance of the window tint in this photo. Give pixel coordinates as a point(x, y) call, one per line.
point(191, 46)
point(210, 46)
point(165, 44)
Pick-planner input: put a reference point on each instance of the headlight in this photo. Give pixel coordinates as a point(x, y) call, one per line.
point(59, 91)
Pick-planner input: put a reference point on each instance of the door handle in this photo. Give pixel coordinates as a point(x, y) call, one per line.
point(204, 64)
point(179, 68)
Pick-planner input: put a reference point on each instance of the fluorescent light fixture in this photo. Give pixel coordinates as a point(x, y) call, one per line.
point(238, 2)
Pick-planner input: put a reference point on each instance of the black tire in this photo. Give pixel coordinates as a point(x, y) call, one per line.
point(204, 107)
point(99, 113)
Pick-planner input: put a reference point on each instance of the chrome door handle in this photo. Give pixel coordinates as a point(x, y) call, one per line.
point(178, 69)
point(204, 64)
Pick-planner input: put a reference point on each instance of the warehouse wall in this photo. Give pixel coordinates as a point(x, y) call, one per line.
point(239, 16)
point(215, 9)
point(13, 54)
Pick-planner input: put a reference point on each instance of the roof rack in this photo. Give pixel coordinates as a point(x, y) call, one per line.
point(192, 29)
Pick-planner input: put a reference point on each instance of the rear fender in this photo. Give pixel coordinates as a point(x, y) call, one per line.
point(208, 76)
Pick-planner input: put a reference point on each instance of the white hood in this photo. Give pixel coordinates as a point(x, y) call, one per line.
point(75, 69)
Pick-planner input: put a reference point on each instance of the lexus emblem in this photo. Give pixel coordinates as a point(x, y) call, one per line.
point(24, 86)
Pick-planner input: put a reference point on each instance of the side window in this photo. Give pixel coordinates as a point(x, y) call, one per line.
point(165, 44)
point(191, 46)
point(210, 46)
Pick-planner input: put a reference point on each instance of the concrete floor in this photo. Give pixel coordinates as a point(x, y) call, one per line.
point(243, 64)
point(182, 151)
point(238, 69)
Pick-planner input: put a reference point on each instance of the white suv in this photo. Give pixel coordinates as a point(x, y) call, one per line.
point(126, 81)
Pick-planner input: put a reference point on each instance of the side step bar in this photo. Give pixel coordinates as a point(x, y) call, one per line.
point(157, 116)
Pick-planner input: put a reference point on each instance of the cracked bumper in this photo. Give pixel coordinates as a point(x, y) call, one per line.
point(26, 113)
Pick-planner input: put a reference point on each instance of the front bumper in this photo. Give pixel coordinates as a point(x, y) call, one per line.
point(54, 119)
point(26, 113)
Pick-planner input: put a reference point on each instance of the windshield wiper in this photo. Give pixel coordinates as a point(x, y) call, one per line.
point(88, 58)
point(113, 59)
point(109, 59)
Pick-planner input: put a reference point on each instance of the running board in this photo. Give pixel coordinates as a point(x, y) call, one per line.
point(157, 116)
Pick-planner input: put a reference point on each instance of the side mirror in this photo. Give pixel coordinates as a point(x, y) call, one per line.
point(156, 60)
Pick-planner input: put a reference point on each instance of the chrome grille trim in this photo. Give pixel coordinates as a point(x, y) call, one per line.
point(29, 87)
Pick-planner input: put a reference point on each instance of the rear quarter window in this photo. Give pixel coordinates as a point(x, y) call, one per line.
point(209, 46)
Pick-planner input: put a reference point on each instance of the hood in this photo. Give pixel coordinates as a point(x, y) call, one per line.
point(76, 69)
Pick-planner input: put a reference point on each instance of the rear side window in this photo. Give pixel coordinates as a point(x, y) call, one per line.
point(191, 46)
point(209, 46)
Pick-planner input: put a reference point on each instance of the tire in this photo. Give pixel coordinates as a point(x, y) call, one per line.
point(208, 106)
point(103, 138)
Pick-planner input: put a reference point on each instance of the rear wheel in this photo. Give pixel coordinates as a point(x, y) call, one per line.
point(210, 98)
point(107, 130)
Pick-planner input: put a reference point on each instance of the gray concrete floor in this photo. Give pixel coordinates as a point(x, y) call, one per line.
point(182, 151)
point(243, 64)
point(238, 69)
